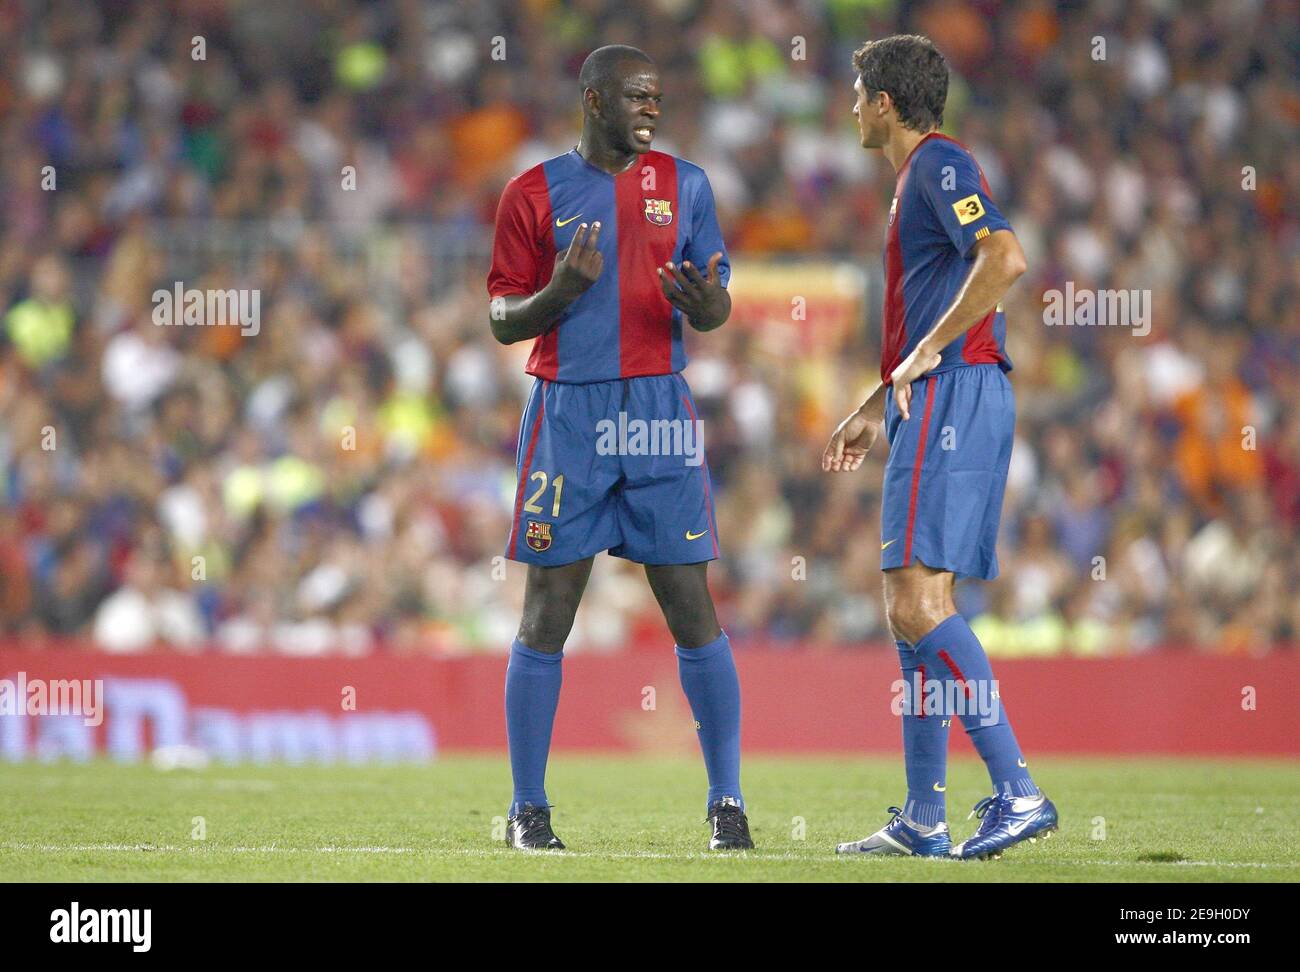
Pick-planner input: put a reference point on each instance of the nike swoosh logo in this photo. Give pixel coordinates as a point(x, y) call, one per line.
point(695, 536)
point(566, 222)
point(887, 543)
point(1021, 763)
point(939, 789)
point(1015, 828)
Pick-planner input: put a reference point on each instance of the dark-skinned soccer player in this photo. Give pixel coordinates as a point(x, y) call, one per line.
point(601, 255)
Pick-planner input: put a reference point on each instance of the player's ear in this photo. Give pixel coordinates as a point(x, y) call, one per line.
point(591, 101)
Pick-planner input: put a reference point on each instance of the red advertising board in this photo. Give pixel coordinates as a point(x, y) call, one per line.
point(811, 700)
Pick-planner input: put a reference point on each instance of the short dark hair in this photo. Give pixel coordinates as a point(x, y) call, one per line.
point(601, 68)
point(914, 73)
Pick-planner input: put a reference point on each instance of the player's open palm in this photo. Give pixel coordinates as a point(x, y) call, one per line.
point(578, 267)
point(700, 296)
point(850, 443)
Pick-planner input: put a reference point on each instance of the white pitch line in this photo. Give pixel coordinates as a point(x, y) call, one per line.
point(200, 848)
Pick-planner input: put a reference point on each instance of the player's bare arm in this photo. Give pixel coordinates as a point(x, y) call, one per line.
point(854, 437)
point(519, 318)
point(999, 262)
point(701, 297)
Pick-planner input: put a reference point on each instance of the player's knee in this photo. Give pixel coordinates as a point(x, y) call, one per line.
point(692, 619)
point(695, 632)
point(551, 600)
point(542, 636)
point(547, 620)
point(688, 610)
point(911, 619)
point(916, 604)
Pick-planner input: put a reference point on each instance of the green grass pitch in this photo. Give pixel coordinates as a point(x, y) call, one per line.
point(626, 819)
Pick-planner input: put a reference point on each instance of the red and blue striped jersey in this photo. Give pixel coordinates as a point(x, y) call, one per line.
point(658, 210)
point(941, 209)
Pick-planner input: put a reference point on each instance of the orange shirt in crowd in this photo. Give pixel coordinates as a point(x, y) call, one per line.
point(481, 138)
point(1213, 450)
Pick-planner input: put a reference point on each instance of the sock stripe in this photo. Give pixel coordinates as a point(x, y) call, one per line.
point(964, 656)
point(947, 660)
point(919, 708)
point(926, 812)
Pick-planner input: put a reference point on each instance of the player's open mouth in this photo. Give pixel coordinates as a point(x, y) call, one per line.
point(644, 134)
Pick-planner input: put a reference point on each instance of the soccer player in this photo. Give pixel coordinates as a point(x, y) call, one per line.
point(946, 407)
point(600, 255)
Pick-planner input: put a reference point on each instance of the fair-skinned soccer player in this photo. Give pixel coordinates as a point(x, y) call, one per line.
point(600, 254)
point(947, 409)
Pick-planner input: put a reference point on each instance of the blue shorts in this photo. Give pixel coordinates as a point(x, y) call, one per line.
point(947, 471)
point(612, 465)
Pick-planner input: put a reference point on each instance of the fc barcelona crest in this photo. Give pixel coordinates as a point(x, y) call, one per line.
point(538, 535)
point(659, 211)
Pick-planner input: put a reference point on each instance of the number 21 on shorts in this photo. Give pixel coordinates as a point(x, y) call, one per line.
point(531, 506)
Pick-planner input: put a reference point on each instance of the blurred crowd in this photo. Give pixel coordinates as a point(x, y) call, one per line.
point(342, 481)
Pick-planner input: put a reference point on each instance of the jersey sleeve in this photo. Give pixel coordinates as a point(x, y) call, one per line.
point(954, 188)
point(515, 248)
point(706, 236)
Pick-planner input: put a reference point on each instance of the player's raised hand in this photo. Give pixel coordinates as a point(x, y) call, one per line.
point(850, 443)
point(578, 267)
point(701, 297)
point(921, 360)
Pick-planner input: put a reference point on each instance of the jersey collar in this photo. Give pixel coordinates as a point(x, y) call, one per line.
point(597, 169)
point(908, 161)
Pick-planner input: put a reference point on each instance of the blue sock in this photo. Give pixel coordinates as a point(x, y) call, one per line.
point(952, 652)
point(532, 693)
point(925, 743)
point(708, 676)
